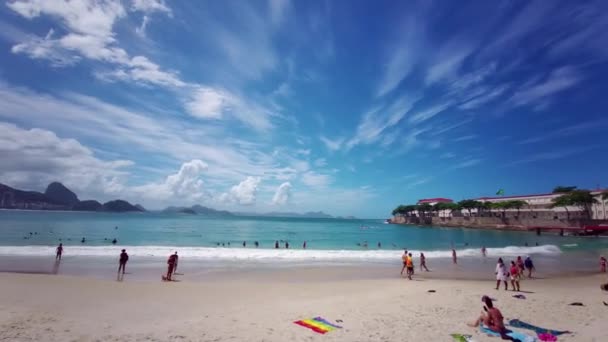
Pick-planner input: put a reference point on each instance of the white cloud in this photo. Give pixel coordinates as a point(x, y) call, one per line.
point(375, 121)
point(450, 59)
point(484, 98)
point(557, 81)
point(465, 137)
point(278, 10)
point(185, 185)
point(210, 103)
point(332, 144)
point(321, 162)
point(141, 30)
point(316, 180)
point(429, 112)
point(32, 158)
point(467, 163)
point(243, 193)
point(282, 195)
point(90, 35)
point(149, 6)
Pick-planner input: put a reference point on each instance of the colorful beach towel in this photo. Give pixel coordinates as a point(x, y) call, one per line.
point(547, 337)
point(318, 325)
point(462, 338)
point(516, 335)
point(520, 324)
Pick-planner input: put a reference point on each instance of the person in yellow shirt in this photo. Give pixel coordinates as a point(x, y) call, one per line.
point(404, 259)
point(409, 263)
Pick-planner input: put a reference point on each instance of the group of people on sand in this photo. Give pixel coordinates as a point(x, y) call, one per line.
point(514, 273)
point(408, 264)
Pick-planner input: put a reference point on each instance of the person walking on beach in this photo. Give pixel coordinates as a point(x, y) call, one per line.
point(404, 259)
point(520, 265)
point(423, 262)
point(515, 274)
point(176, 259)
point(602, 264)
point(454, 258)
point(501, 274)
point(59, 252)
point(170, 267)
point(122, 262)
point(529, 266)
point(491, 317)
point(410, 266)
point(483, 251)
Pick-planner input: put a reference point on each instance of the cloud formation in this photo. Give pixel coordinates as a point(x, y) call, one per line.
point(282, 195)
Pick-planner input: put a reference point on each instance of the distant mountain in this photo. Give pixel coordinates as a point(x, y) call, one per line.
point(187, 211)
point(60, 194)
point(140, 207)
point(197, 209)
point(119, 206)
point(57, 197)
point(88, 205)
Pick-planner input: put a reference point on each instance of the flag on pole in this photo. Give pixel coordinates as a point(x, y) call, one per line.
point(500, 192)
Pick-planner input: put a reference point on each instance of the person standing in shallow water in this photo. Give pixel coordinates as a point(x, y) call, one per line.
point(304, 245)
point(454, 258)
point(122, 262)
point(286, 245)
point(59, 252)
point(276, 244)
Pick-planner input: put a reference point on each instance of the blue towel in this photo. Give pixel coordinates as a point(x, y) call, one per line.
point(520, 324)
point(511, 333)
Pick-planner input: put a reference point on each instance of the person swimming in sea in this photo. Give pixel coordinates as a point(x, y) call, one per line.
point(83, 240)
point(114, 241)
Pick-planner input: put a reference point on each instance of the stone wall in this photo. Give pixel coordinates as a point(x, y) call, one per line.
point(497, 222)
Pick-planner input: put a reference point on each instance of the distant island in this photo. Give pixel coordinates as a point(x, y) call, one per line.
point(197, 210)
point(58, 197)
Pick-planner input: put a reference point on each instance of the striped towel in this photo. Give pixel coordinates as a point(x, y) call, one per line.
point(318, 325)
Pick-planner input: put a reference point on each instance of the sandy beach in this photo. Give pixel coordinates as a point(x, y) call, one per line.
point(261, 306)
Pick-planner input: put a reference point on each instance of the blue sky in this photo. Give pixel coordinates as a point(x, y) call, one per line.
point(350, 107)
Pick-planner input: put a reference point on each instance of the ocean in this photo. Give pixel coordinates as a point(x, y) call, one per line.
point(37, 233)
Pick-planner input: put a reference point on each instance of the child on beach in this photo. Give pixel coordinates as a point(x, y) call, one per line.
point(515, 274)
point(423, 262)
point(602, 264)
point(501, 274)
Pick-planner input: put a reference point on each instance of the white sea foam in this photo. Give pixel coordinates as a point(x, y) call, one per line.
point(268, 255)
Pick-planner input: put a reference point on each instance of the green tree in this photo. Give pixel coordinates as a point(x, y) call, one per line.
point(564, 201)
point(563, 189)
point(584, 200)
point(501, 206)
point(468, 205)
point(517, 204)
point(424, 208)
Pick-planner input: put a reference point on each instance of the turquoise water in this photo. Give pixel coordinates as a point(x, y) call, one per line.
point(154, 234)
